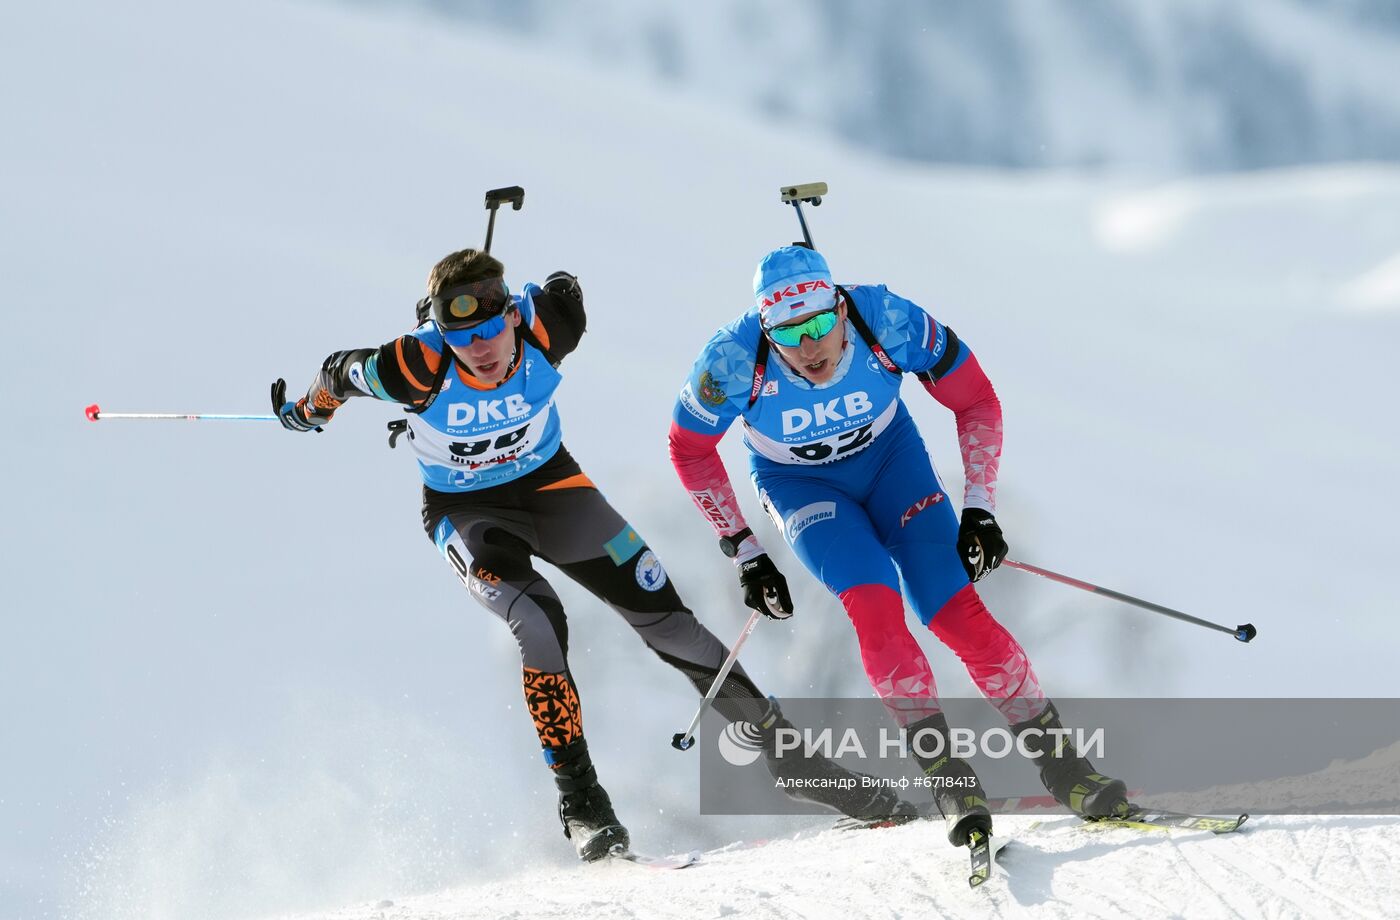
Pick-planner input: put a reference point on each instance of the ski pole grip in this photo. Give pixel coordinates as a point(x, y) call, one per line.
point(1246, 632)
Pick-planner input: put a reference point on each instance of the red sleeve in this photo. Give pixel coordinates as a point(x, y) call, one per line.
point(975, 405)
point(696, 459)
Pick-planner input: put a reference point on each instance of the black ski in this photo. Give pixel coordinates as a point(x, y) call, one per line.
point(983, 850)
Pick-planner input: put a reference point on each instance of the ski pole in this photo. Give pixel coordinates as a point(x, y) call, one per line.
point(95, 413)
point(496, 197)
point(794, 195)
point(683, 740)
point(1244, 632)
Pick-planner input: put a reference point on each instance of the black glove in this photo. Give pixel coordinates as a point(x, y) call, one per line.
point(980, 543)
point(294, 416)
point(564, 283)
point(765, 588)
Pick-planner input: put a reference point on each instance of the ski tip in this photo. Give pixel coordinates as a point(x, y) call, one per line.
point(680, 861)
point(1246, 632)
point(1238, 823)
point(872, 824)
point(93, 412)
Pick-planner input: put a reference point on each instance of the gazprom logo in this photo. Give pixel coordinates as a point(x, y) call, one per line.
point(806, 516)
point(692, 405)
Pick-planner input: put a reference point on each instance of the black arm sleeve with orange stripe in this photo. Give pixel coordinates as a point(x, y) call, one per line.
point(404, 368)
point(563, 320)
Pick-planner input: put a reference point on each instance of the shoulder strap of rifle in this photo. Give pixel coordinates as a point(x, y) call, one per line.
point(868, 337)
point(760, 367)
point(444, 363)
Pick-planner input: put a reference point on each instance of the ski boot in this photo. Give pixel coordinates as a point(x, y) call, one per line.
point(957, 791)
point(847, 791)
point(1067, 776)
point(584, 807)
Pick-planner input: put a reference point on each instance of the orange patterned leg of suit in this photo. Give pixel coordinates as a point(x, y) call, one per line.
point(554, 706)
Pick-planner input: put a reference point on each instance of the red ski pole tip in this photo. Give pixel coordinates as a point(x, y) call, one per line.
point(93, 412)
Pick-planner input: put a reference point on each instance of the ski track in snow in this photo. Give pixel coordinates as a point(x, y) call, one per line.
point(1275, 867)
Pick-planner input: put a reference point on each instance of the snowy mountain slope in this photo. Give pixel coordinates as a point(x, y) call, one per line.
point(1132, 85)
point(239, 679)
point(1273, 867)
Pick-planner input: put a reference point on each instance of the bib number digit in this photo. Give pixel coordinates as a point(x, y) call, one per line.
point(848, 441)
point(477, 451)
point(857, 438)
point(812, 453)
point(512, 438)
point(469, 448)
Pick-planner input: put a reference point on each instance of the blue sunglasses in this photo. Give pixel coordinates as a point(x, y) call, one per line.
point(815, 328)
point(485, 330)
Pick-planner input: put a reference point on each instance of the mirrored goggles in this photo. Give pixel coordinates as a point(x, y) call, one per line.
point(814, 327)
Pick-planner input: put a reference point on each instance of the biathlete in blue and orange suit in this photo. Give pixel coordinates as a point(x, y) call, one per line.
point(813, 372)
point(499, 488)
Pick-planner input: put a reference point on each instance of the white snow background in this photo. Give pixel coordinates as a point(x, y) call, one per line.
point(236, 679)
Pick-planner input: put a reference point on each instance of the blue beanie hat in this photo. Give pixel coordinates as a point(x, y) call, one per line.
point(792, 281)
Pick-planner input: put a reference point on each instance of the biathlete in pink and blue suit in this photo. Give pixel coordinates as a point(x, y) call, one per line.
point(813, 372)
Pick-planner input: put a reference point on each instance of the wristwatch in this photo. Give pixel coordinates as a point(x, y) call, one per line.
point(730, 545)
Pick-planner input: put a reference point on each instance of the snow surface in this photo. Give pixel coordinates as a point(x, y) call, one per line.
point(1273, 867)
point(236, 679)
